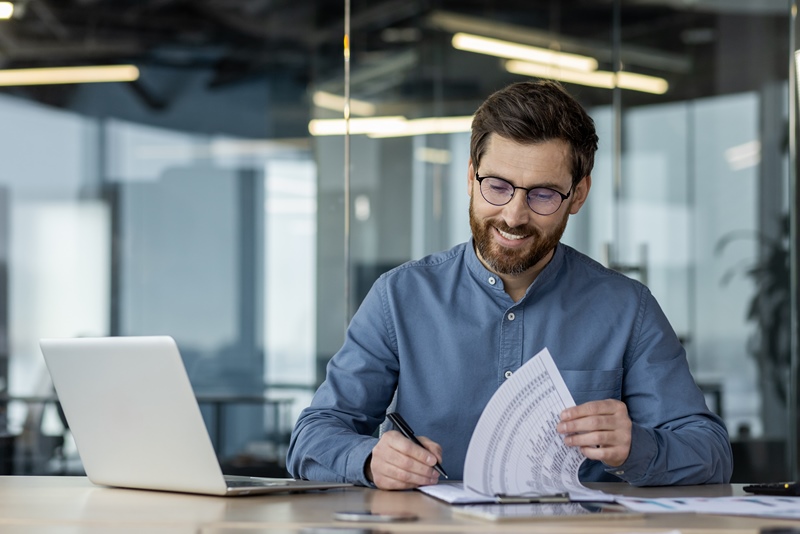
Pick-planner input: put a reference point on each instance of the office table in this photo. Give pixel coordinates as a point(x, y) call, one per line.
point(45, 505)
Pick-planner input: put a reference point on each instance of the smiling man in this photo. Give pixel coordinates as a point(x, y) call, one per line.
point(436, 337)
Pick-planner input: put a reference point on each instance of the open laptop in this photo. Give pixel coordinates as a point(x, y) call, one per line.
point(136, 422)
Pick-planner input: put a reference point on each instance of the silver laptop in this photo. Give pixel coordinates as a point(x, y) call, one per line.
point(136, 422)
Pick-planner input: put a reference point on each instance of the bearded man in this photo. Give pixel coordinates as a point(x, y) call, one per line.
point(436, 337)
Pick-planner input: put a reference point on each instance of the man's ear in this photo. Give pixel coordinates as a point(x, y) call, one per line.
point(470, 177)
point(580, 194)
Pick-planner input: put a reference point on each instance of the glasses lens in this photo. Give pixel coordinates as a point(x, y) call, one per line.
point(496, 190)
point(544, 201)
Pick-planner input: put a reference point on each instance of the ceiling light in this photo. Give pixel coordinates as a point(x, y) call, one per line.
point(509, 50)
point(397, 126)
point(326, 100)
point(62, 75)
point(6, 10)
point(430, 126)
point(599, 78)
point(357, 126)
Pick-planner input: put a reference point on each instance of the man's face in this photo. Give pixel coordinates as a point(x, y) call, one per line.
point(513, 239)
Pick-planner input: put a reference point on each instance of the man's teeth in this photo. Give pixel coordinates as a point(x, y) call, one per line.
point(511, 236)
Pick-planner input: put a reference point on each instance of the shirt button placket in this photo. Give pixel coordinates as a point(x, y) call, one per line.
point(511, 343)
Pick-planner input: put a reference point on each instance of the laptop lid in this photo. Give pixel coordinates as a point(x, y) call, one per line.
point(135, 419)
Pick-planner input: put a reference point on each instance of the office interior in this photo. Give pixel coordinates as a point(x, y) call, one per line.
point(220, 196)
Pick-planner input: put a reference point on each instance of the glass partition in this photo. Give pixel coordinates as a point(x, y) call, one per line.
point(690, 187)
point(206, 200)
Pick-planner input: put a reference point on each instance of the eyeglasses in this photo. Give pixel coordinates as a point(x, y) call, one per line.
point(499, 192)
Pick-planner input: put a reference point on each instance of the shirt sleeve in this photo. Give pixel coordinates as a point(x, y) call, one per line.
point(333, 437)
point(675, 438)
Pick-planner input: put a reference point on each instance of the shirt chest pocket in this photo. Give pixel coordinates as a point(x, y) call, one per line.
point(587, 386)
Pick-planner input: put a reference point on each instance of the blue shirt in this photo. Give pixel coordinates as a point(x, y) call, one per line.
point(443, 334)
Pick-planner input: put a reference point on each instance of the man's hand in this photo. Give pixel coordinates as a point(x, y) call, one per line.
point(396, 463)
point(602, 429)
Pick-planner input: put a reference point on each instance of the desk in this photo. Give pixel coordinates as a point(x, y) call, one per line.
point(45, 505)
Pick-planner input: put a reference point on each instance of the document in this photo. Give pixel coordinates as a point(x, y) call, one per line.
point(515, 450)
point(772, 506)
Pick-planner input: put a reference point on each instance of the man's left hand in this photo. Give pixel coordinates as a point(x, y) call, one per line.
point(602, 430)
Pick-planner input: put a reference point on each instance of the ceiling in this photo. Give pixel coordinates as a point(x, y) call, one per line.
point(401, 53)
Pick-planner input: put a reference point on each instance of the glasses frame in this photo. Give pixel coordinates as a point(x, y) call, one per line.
point(527, 190)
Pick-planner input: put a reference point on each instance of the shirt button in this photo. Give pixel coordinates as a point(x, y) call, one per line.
point(511, 316)
point(619, 472)
point(508, 374)
point(492, 281)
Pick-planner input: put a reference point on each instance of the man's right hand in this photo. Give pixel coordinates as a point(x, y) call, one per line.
point(397, 463)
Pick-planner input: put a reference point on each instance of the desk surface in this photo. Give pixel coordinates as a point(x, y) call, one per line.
point(44, 505)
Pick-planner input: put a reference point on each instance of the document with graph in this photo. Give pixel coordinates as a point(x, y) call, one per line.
point(515, 450)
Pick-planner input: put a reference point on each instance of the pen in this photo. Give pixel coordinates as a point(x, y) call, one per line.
point(403, 427)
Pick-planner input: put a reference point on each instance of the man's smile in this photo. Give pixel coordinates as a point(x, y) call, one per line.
point(511, 237)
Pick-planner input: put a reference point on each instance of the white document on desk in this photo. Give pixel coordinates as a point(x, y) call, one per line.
point(515, 449)
point(773, 506)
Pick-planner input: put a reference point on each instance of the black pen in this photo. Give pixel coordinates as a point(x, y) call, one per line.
point(403, 427)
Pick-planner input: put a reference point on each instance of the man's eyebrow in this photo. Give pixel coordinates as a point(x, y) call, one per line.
point(548, 184)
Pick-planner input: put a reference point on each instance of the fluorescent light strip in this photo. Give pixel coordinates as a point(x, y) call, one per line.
point(336, 103)
point(430, 125)
point(599, 78)
point(64, 75)
point(6, 10)
point(509, 50)
point(357, 126)
point(397, 126)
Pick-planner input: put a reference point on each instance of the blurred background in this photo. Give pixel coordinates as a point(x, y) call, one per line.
point(201, 191)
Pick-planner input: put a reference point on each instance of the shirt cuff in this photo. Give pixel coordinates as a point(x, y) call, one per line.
point(357, 460)
point(643, 450)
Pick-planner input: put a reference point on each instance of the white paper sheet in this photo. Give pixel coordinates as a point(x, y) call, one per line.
point(752, 505)
point(515, 449)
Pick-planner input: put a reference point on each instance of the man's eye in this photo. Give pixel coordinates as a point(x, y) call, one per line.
point(499, 188)
point(542, 194)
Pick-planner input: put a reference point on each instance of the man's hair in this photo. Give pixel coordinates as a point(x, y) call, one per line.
point(534, 112)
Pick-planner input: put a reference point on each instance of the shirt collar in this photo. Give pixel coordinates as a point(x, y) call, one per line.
point(493, 281)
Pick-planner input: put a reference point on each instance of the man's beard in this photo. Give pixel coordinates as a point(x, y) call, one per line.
point(504, 260)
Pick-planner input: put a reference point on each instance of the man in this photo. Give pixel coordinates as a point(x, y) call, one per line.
point(438, 336)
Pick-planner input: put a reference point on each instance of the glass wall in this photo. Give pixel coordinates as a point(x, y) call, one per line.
point(219, 219)
point(690, 188)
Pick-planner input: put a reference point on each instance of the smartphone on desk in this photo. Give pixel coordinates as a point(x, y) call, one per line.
point(366, 515)
point(339, 530)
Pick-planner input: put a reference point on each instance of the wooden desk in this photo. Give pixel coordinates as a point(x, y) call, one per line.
point(45, 505)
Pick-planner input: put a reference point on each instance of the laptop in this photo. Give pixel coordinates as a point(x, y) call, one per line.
point(136, 422)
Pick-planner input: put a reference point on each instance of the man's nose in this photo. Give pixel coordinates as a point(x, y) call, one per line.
point(517, 212)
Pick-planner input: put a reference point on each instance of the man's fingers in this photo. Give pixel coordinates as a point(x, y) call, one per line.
point(602, 430)
point(410, 449)
point(432, 446)
point(398, 463)
point(591, 424)
point(587, 409)
point(592, 439)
